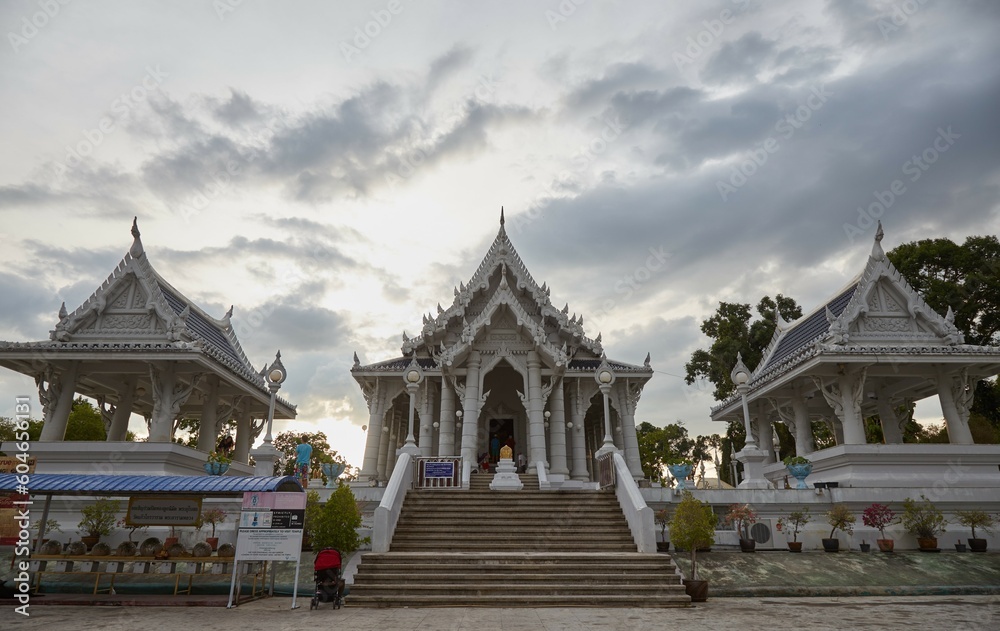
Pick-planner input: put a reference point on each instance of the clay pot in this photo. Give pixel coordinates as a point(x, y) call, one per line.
point(748, 545)
point(795, 546)
point(927, 544)
point(977, 545)
point(831, 545)
point(697, 590)
point(90, 541)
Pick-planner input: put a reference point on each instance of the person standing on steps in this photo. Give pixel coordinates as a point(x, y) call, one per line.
point(303, 454)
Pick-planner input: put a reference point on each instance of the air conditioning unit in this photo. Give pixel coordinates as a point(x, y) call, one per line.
point(763, 532)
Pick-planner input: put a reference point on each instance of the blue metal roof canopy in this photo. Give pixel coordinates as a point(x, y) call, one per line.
point(205, 485)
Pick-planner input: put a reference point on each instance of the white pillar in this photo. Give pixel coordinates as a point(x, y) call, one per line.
point(887, 417)
point(536, 414)
point(958, 427)
point(376, 412)
point(446, 439)
point(762, 423)
point(426, 438)
point(123, 410)
point(55, 427)
point(557, 429)
point(244, 426)
point(577, 436)
point(470, 416)
point(383, 444)
point(208, 424)
point(803, 427)
point(851, 388)
point(395, 429)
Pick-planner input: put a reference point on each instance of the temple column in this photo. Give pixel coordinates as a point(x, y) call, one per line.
point(470, 414)
point(208, 425)
point(557, 429)
point(891, 433)
point(123, 410)
point(55, 426)
point(951, 391)
point(383, 444)
point(446, 438)
point(764, 440)
point(425, 439)
point(577, 436)
point(536, 414)
point(803, 427)
point(244, 429)
point(394, 427)
point(628, 397)
point(370, 466)
point(843, 394)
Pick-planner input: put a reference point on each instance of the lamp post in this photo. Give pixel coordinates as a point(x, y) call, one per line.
point(412, 378)
point(266, 455)
point(751, 457)
point(605, 379)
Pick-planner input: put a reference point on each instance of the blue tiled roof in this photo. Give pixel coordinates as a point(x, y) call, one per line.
point(809, 329)
point(87, 484)
point(205, 329)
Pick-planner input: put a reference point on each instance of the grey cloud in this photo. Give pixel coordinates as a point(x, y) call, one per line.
point(739, 61)
point(445, 66)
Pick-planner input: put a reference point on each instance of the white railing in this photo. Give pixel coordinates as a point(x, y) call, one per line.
point(543, 476)
point(442, 472)
point(638, 515)
point(387, 513)
point(606, 471)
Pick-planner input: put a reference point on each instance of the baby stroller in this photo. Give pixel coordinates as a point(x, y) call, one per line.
point(329, 586)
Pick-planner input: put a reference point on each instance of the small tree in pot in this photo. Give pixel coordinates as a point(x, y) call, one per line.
point(977, 519)
point(880, 516)
point(662, 518)
point(794, 521)
point(840, 518)
point(693, 527)
point(741, 517)
point(924, 520)
point(213, 516)
point(98, 520)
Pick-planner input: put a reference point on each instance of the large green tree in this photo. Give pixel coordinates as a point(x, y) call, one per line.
point(733, 330)
point(285, 442)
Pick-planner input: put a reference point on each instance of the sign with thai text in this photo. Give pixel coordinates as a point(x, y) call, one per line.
point(163, 511)
point(439, 469)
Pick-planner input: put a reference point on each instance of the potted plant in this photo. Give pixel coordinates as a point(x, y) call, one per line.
point(794, 521)
point(865, 546)
point(132, 528)
point(741, 516)
point(959, 546)
point(51, 526)
point(217, 463)
point(924, 520)
point(98, 520)
point(680, 469)
point(662, 518)
point(840, 518)
point(213, 516)
point(693, 527)
point(880, 516)
point(977, 519)
point(800, 468)
point(171, 540)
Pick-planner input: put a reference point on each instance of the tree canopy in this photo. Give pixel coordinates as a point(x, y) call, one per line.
point(734, 330)
point(285, 442)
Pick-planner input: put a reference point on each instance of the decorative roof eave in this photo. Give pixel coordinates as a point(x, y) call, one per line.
point(810, 357)
point(395, 366)
point(145, 350)
point(502, 254)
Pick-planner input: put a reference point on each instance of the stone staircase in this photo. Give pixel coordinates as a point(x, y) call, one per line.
point(526, 548)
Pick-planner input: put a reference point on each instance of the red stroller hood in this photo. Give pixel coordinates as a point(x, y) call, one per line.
point(327, 559)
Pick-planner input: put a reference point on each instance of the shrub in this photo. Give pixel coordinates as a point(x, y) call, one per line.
point(335, 524)
point(923, 519)
point(99, 518)
point(693, 527)
point(976, 519)
point(878, 516)
point(794, 521)
point(741, 516)
point(840, 518)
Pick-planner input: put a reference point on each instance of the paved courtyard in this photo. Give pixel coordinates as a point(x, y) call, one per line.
point(955, 613)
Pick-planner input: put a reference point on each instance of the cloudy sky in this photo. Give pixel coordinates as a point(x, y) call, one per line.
point(341, 166)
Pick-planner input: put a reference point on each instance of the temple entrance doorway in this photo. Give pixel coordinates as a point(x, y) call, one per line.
point(501, 432)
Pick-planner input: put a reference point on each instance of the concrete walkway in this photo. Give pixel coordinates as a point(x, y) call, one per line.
point(958, 613)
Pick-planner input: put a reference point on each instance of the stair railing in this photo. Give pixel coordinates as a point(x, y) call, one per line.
point(387, 513)
point(638, 515)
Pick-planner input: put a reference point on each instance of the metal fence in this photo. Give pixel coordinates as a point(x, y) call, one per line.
point(606, 471)
point(443, 472)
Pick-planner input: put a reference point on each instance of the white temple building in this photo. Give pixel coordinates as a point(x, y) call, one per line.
point(502, 362)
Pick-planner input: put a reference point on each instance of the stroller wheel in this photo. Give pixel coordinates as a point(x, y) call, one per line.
point(313, 604)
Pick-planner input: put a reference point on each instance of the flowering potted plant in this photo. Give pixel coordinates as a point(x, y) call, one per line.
point(662, 518)
point(217, 463)
point(794, 522)
point(840, 518)
point(924, 520)
point(977, 519)
point(741, 516)
point(800, 468)
point(880, 516)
